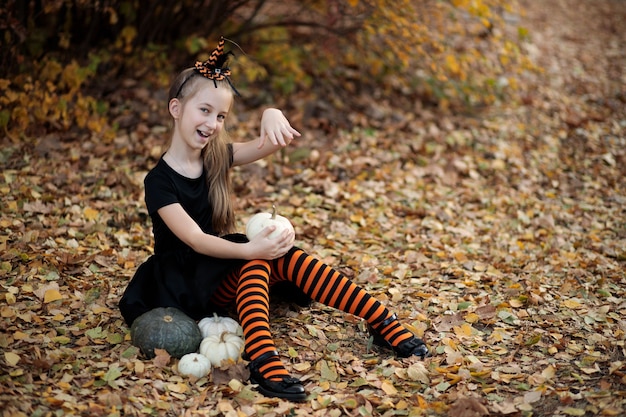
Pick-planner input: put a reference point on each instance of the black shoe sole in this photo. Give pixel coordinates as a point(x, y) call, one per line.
point(278, 389)
point(296, 397)
point(418, 347)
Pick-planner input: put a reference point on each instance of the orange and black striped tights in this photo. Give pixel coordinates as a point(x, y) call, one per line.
point(249, 287)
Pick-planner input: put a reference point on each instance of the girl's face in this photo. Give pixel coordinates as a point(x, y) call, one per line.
point(202, 115)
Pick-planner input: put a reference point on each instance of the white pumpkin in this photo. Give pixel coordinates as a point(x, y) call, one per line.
point(217, 325)
point(194, 364)
point(222, 349)
point(260, 221)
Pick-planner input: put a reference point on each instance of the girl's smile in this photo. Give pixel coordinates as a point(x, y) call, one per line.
point(201, 116)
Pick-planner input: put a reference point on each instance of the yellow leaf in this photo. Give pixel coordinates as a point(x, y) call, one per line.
point(549, 372)
point(235, 385)
point(449, 342)
point(20, 335)
point(610, 411)
point(497, 335)
point(464, 330)
point(99, 310)
point(615, 366)
point(63, 385)
point(357, 218)
point(91, 214)
point(7, 312)
point(453, 64)
point(422, 403)
point(11, 358)
point(460, 257)
point(139, 367)
point(402, 405)
point(302, 366)
point(472, 317)
point(51, 295)
point(571, 304)
point(571, 411)
point(178, 387)
point(10, 298)
point(396, 294)
point(418, 372)
point(293, 353)
point(416, 331)
point(388, 388)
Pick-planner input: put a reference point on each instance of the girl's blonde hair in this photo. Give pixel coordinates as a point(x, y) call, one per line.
point(217, 154)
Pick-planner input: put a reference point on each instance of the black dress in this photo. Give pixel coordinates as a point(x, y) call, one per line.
point(175, 275)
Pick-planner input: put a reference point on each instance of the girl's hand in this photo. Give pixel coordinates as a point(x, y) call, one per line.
point(264, 247)
point(276, 127)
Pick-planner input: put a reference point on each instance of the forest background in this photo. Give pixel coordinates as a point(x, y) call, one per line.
point(463, 160)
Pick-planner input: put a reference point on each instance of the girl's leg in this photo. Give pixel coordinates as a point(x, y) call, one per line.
point(249, 287)
point(326, 285)
point(323, 284)
point(253, 310)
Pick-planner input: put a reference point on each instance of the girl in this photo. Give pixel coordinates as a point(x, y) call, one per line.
point(199, 266)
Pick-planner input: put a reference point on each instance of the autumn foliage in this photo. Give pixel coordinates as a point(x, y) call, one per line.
point(68, 56)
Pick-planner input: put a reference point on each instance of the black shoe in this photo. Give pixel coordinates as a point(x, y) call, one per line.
point(288, 388)
point(413, 346)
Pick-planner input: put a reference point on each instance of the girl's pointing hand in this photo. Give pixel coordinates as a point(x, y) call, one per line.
point(276, 127)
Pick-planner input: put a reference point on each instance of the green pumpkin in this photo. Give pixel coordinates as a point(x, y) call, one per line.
point(165, 328)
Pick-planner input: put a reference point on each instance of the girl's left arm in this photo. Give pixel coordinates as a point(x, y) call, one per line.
point(276, 128)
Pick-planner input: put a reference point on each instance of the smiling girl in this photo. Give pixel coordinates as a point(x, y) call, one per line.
point(201, 266)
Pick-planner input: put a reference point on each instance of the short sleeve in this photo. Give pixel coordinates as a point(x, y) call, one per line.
point(160, 191)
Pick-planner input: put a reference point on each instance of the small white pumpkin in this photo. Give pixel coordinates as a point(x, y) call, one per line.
point(217, 325)
point(260, 221)
point(222, 349)
point(194, 364)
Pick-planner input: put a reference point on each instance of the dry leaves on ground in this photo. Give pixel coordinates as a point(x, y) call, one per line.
point(499, 239)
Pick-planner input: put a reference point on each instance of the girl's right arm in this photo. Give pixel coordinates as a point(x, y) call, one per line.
point(276, 133)
point(187, 230)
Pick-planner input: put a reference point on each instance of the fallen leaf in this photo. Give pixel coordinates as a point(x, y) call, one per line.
point(468, 407)
point(41, 291)
point(161, 358)
point(91, 214)
point(571, 303)
point(418, 372)
point(328, 371)
point(571, 411)
point(237, 371)
point(532, 397)
point(11, 358)
point(388, 387)
point(179, 387)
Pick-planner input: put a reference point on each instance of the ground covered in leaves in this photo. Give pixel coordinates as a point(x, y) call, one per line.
point(498, 237)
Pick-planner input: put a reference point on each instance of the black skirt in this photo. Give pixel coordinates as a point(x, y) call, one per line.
point(185, 280)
